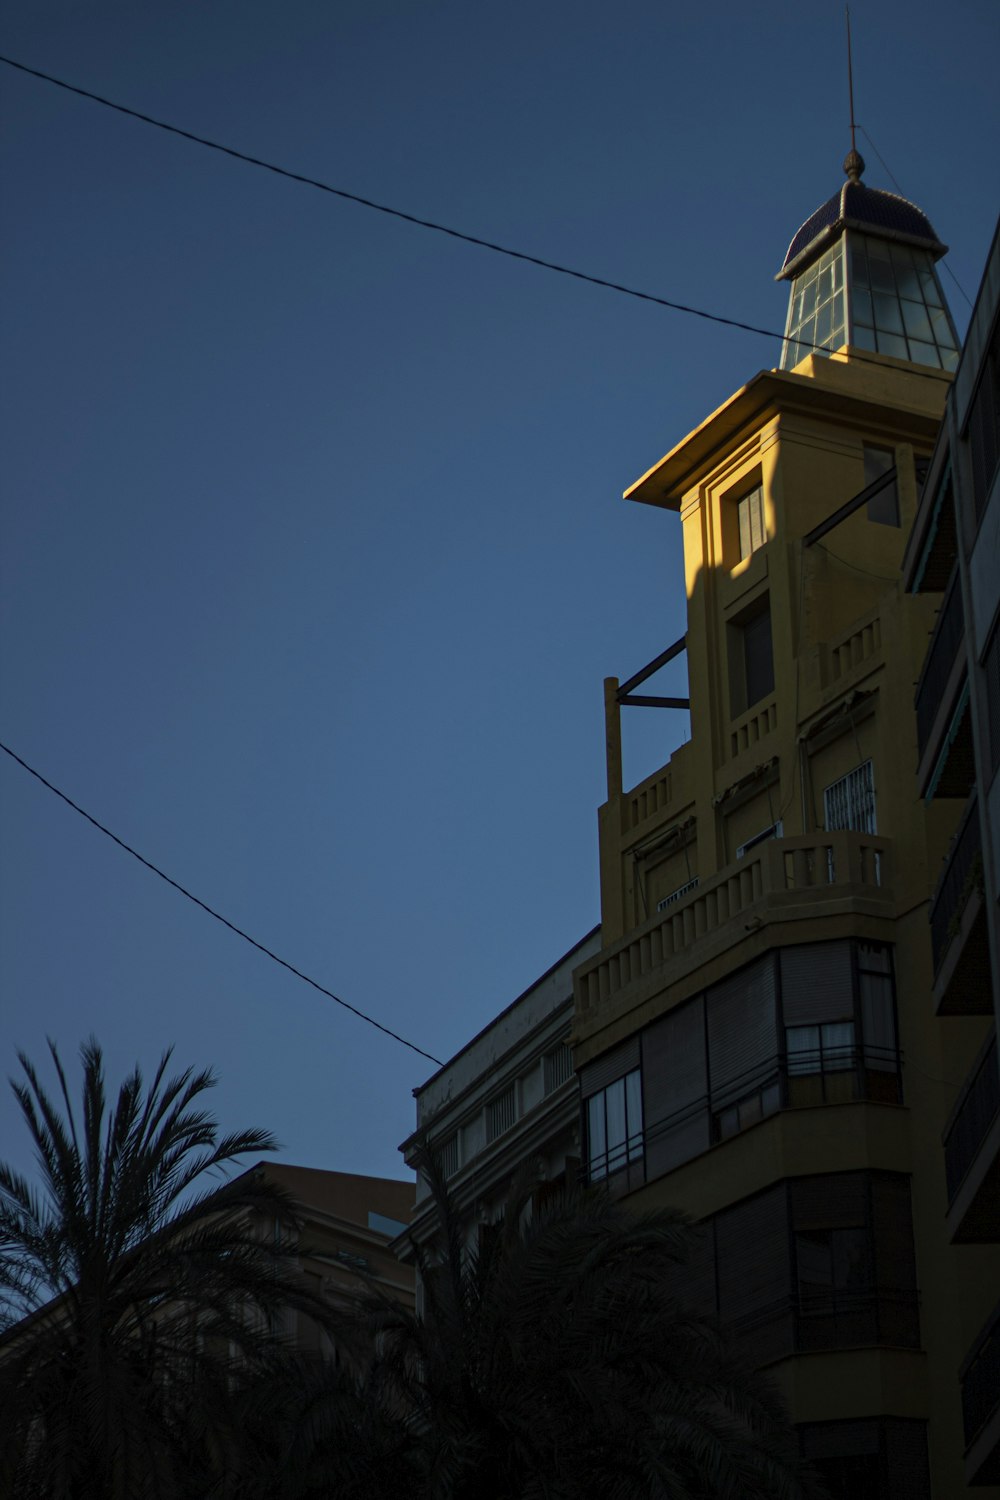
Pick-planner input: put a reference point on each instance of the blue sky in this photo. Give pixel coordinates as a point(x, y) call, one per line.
point(314, 554)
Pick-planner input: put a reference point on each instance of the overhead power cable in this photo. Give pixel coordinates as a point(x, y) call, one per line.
point(217, 915)
point(455, 234)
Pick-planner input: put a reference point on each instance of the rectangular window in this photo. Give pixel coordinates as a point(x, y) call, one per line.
point(614, 1126)
point(850, 802)
point(447, 1154)
point(743, 1063)
point(501, 1113)
point(854, 1266)
point(676, 1119)
point(758, 659)
point(557, 1067)
point(878, 1459)
point(883, 507)
point(820, 1049)
point(751, 660)
point(751, 519)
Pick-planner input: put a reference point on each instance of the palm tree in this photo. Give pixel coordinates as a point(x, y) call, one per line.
point(558, 1363)
point(135, 1299)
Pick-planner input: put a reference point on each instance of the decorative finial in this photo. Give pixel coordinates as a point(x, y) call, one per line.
point(854, 165)
point(854, 162)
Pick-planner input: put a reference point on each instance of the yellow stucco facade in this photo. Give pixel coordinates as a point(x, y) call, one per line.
point(785, 838)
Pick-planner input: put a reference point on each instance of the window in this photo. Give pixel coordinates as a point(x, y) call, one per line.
point(833, 1267)
point(750, 511)
point(883, 507)
point(743, 1062)
point(614, 1126)
point(447, 1155)
point(557, 1067)
point(820, 1049)
point(501, 1113)
point(850, 802)
point(879, 1459)
point(816, 308)
point(840, 1023)
point(855, 1278)
point(896, 303)
point(811, 1263)
point(751, 663)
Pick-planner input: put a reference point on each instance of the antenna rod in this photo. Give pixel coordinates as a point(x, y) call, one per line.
point(850, 73)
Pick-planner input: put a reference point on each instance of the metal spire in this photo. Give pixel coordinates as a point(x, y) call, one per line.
point(854, 163)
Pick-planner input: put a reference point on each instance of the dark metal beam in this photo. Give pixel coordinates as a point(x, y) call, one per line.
point(875, 488)
point(653, 666)
point(645, 702)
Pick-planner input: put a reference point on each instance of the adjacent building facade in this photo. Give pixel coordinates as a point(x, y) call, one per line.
point(954, 555)
point(509, 1099)
point(757, 1040)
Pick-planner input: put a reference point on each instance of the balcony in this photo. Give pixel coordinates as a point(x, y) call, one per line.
point(972, 1154)
point(980, 1377)
point(944, 734)
point(959, 939)
point(781, 880)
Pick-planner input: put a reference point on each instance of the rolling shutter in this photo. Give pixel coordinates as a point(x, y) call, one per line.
point(742, 1032)
point(755, 1276)
point(816, 985)
point(614, 1064)
point(675, 1088)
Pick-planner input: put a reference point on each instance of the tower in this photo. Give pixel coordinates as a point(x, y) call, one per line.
point(756, 1042)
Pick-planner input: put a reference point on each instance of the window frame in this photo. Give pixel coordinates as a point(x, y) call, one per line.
point(849, 793)
point(610, 1159)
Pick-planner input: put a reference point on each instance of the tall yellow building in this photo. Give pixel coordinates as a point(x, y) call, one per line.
point(756, 1042)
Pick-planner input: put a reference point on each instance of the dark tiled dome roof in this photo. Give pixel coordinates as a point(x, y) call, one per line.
point(855, 206)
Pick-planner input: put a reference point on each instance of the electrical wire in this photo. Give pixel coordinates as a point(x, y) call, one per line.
point(884, 577)
point(217, 915)
point(456, 234)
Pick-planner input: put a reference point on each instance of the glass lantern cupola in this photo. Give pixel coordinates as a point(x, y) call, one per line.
point(862, 273)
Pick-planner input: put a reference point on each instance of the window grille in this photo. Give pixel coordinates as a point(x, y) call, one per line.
point(682, 890)
point(850, 802)
point(501, 1113)
point(447, 1155)
point(557, 1067)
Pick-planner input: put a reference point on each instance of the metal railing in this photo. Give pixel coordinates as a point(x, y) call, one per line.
point(976, 1111)
point(869, 1073)
point(952, 890)
point(946, 642)
point(980, 1377)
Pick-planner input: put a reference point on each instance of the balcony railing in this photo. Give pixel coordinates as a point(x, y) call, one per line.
point(832, 867)
point(945, 645)
point(954, 887)
point(972, 1120)
point(980, 1377)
